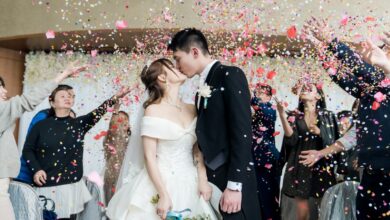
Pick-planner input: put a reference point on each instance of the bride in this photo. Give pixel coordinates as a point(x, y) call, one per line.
point(167, 175)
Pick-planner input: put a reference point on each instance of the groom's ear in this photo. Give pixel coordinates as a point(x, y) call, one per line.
point(195, 52)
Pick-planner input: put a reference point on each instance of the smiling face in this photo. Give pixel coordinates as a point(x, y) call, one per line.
point(63, 100)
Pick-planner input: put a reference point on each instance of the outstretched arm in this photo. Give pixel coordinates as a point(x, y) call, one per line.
point(89, 120)
point(347, 142)
point(16, 106)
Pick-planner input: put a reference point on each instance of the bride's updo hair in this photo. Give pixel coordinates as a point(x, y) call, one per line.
point(149, 77)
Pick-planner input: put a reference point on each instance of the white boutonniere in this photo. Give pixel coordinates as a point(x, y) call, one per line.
point(205, 92)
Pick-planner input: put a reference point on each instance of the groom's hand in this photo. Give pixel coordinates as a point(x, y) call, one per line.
point(231, 201)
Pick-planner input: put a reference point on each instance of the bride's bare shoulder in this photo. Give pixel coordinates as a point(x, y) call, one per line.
point(153, 110)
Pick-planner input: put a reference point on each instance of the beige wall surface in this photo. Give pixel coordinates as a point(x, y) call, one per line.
point(26, 17)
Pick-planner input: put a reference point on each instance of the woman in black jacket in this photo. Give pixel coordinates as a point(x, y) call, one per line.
point(54, 151)
point(311, 127)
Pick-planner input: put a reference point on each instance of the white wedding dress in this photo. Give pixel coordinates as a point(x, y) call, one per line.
point(133, 201)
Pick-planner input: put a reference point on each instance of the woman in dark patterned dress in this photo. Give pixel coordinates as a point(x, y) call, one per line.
point(265, 154)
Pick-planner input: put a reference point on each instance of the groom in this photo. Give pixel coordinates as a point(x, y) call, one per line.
point(224, 124)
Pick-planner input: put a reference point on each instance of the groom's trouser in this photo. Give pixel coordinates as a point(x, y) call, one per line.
point(250, 208)
point(6, 210)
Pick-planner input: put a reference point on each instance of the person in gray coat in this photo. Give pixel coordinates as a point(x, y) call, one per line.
point(10, 110)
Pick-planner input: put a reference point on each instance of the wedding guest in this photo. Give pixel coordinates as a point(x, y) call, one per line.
point(265, 154)
point(25, 175)
point(10, 110)
point(372, 142)
point(115, 144)
point(347, 164)
point(54, 152)
point(311, 127)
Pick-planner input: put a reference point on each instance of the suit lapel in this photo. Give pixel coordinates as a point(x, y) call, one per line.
point(208, 82)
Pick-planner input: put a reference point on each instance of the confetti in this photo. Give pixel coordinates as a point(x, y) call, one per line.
point(50, 34)
point(120, 24)
point(95, 178)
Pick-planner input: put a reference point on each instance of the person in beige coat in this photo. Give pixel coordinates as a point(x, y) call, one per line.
point(10, 110)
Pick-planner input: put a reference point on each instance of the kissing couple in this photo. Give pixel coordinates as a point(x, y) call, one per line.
point(189, 161)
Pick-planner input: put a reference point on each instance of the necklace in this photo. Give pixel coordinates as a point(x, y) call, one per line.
point(173, 105)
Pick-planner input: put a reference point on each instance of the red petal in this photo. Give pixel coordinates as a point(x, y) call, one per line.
point(271, 75)
point(375, 105)
point(292, 32)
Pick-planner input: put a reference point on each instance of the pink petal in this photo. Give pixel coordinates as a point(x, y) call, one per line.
point(95, 178)
point(94, 53)
point(263, 128)
point(332, 71)
point(50, 34)
point(110, 109)
point(385, 82)
point(344, 20)
point(268, 166)
point(379, 97)
point(120, 24)
point(291, 119)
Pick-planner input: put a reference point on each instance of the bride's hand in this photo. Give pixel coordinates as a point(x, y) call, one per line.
point(205, 189)
point(163, 206)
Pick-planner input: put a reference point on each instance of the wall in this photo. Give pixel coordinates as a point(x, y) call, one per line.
point(21, 17)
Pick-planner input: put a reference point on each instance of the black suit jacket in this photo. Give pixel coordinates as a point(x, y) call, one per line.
point(224, 123)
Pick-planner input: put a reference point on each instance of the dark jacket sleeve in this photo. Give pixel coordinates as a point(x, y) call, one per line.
point(89, 120)
point(329, 130)
point(368, 73)
point(287, 144)
point(30, 149)
point(349, 83)
point(237, 104)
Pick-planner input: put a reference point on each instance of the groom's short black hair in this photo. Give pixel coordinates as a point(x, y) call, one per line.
point(185, 39)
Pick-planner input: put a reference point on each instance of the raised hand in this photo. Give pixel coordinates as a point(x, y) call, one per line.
point(280, 106)
point(71, 70)
point(297, 88)
point(374, 55)
point(122, 92)
point(321, 30)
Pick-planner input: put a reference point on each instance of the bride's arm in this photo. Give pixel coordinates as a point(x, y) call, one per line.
point(204, 187)
point(150, 152)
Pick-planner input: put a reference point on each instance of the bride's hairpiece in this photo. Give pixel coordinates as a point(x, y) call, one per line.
point(147, 65)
